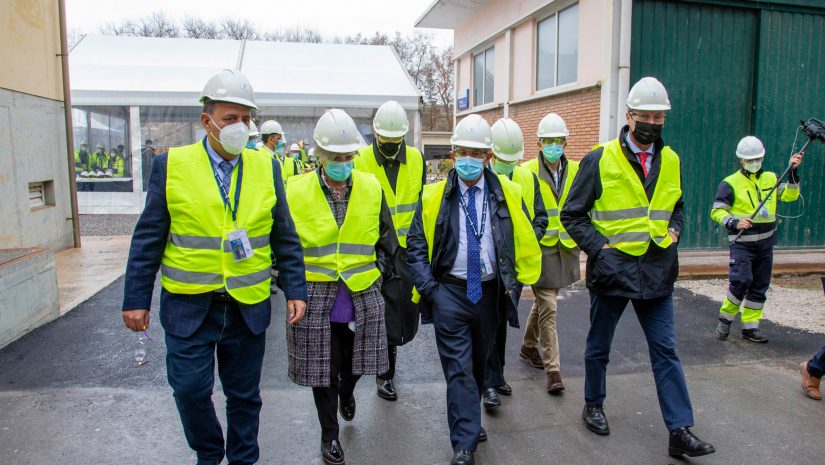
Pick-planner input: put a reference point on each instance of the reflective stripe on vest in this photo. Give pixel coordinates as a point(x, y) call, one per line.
point(331, 253)
point(197, 257)
point(748, 192)
point(623, 213)
point(527, 251)
point(403, 201)
point(555, 230)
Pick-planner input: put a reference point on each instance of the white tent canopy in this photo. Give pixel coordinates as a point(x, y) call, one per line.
point(142, 71)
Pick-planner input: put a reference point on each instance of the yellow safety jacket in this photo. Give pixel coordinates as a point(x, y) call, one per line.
point(748, 192)
point(403, 201)
point(555, 231)
point(332, 253)
point(198, 258)
point(524, 178)
point(527, 251)
point(625, 216)
point(287, 164)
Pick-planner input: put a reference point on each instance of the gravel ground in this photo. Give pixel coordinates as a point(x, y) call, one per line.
point(107, 225)
point(793, 302)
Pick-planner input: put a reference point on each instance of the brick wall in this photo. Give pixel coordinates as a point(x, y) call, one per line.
point(580, 110)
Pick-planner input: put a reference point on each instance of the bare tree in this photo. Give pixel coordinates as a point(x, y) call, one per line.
point(239, 29)
point(198, 28)
point(155, 25)
point(295, 34)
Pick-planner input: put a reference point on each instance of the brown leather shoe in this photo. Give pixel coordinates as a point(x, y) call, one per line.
point(810, 384)
point(532, 356)
point(554, 384)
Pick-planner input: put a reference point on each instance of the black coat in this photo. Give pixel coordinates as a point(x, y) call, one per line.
point(426, 275)
point(611, 271)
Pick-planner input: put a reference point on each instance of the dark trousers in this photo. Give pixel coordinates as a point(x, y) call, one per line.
point(392, 352)
point(190, 366)
point(816, 365)
point(494, 376)
point(464, 334)
point(341, 382)
point(657, 320)
point(750, 273)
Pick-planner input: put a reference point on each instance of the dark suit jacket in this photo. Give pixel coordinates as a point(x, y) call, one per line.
point(181, 315)
point(426, 274)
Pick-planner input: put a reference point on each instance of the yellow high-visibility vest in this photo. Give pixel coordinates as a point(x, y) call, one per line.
point(555, 231)
point(524, 178)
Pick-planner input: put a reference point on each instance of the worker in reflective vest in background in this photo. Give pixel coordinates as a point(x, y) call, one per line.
point(399, 169)
point(272, 136)
point(508, 150)
point(625, 211)
point(349, 243)
point(751, 255)
point(215, 212)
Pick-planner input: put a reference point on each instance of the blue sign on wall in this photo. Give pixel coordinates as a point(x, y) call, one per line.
point(463, 103)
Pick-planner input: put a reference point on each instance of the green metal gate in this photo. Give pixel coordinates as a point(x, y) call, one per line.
point(734, 68)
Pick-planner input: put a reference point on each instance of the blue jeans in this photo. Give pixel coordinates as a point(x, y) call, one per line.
point(656, 318)
point(190, 366)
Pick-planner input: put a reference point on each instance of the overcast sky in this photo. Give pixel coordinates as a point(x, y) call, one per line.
point(331, 17)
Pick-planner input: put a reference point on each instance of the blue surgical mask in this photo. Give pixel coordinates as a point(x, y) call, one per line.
point(251, 144)
point(552, 152)
point(504, 167)
point(339, 171)
point(469, 168)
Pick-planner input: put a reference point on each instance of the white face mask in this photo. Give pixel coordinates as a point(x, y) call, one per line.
point(233, 138)
point(752, 166)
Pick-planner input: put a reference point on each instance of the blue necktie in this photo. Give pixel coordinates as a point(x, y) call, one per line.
point(226, 174)
point(473, 249)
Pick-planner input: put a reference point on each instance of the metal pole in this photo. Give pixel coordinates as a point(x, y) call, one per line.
point(67, 112)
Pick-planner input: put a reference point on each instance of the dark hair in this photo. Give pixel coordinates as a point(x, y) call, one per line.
point(265, 137)
point(209, 107)
point(147, 142)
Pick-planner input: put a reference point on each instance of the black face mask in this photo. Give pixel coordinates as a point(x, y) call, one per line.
point(647, 133)
point(389, 149)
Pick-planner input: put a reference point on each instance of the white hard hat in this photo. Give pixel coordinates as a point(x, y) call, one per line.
point(472, 132)
point(84, 174)
point(648, 94)
point(100, 146)
point(750, 148)
point(336, 132)
point(253, 129)
point(271, 127)
point(294, 147)
point(508, 142)
point(391, 120)
point(229, 86)
point(552, 125)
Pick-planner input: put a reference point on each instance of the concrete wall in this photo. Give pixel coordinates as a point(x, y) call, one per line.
point(33, 149)
point(28, 294)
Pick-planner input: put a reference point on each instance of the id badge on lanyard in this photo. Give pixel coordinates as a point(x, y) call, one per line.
point(238, 239)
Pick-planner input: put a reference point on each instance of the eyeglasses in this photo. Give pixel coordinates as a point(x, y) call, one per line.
point(648, 118)
point(140, 351)
point(390, 140)
point(474, 153)
point(553, 140)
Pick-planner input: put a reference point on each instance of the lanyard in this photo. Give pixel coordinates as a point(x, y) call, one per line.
point(225, 193)
point(472, 221)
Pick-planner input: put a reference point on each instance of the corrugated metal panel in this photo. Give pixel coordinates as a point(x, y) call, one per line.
point(791, 68)
point(705, 56)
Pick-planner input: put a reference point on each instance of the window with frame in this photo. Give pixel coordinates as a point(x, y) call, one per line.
point(483, 77)
point(557, 48)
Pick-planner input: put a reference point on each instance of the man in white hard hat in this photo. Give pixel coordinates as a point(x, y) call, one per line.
point(625, 211)
point(400, 170)
point(254, 134)
point(349, 243)
point(751, 255)
point(99, 159)
point(470, 247)
point(295, 155)
point(508, 150)
point(273, 139)
point(560, 254)
point(212, 238)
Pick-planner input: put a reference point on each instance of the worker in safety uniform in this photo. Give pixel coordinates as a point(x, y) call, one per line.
point(349, 242)
point(751, 255)
point(470, 247)
point(214, 213)
point(625, 211)
point(508, 150)
point(254, 135)
point(295, 155)
point(81, 159)
point(99, 160)
point(560, 255)
point(272, 136)
point(400, 170)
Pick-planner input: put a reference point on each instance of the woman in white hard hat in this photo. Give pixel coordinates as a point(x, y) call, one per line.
point(751, 254)
point(349, 243)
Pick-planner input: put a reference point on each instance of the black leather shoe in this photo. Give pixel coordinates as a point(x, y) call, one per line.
point(332, 452)
point(754, 335)
point(463, 457)
point(684, 442)
point(482, 435)
point(490, 398)
point(347, 408)
point(505, 390)
point(594, 419)
point(386, 389)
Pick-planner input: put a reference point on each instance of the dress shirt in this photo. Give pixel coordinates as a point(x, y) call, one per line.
point(488, 249)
